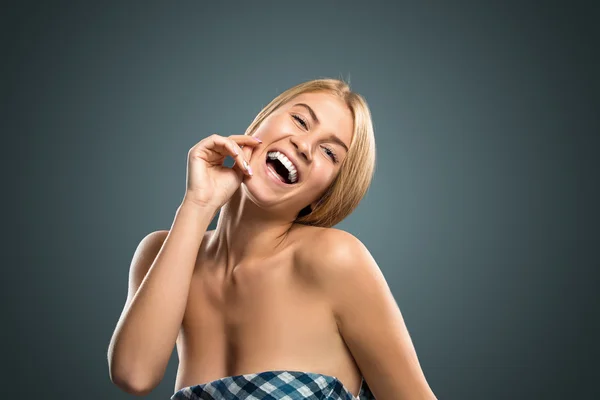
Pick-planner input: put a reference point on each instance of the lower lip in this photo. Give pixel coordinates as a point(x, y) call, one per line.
point(274, 176)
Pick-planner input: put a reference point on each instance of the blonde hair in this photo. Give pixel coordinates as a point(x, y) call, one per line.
point(356, 172)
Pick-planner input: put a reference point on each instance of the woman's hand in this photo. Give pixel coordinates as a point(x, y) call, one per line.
point(209, 183)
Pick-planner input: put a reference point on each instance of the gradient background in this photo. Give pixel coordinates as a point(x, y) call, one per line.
point(483, 214)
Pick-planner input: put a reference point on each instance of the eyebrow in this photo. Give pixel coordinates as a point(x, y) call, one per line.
point(310, 110)
point(337, 140)
point(331, 137)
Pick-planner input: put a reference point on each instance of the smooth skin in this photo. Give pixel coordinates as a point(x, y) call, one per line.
point(260, 293)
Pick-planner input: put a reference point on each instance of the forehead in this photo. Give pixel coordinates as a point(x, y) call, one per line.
point(333, 114)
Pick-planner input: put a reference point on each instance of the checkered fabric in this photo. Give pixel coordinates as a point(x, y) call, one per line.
point(273, 385)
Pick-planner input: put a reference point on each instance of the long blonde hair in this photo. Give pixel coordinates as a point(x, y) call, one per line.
point(356, 172)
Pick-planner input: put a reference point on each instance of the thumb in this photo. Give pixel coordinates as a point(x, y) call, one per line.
point(247, 152)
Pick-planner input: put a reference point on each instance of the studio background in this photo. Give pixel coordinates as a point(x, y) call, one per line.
point(482, 214)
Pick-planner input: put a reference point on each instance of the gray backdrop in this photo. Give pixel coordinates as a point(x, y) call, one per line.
point(482, 215)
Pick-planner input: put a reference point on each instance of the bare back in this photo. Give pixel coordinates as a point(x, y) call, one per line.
point(260, 318)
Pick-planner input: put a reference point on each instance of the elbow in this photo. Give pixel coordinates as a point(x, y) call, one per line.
point(129, 377)
point(132, 385)
point(131, 382)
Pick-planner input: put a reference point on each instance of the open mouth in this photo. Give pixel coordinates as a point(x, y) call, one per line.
point(282, 167)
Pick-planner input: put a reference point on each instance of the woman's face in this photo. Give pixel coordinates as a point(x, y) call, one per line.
point(314, 131)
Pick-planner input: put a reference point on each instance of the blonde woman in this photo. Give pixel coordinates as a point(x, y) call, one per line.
point(274, 303)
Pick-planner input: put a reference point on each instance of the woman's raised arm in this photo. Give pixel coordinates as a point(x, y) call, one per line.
point(159, 281)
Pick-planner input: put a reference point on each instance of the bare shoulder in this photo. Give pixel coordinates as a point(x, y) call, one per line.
point(367, 314)
point(142, 260)
point(331, 254)
point(339, 243)
point(146, 252)
point(144, 256)
point(332, 248)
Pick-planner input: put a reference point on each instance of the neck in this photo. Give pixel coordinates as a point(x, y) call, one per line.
point(246, 232)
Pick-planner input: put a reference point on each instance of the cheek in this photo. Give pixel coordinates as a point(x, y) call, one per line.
point(262, 132)
point(322, 176)
point(272, 127)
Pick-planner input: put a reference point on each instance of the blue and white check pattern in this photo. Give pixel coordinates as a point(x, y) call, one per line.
point(273, 385)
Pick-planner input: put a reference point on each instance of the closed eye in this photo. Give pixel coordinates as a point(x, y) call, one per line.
point(300, 120)
point(331, 154)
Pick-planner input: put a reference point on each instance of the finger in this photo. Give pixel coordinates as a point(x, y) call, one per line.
point(248, 144)
point(244, 140)
point(216, 146)
point(248, 151)
point(240, 157)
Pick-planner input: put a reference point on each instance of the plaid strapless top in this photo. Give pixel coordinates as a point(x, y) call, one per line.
point(274, 385)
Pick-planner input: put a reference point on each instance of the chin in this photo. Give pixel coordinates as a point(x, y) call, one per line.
point(259, 194)
point(265, 197)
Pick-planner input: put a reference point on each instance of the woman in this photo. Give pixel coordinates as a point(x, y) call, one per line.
point(274, 303)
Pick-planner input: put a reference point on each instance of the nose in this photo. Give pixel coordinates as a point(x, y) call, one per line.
point(302, 146)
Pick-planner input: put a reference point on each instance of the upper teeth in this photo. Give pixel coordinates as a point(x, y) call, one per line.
point(293, 173)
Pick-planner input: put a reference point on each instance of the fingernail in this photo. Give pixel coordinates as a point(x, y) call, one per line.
point(257, 139)
point(247, 166)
